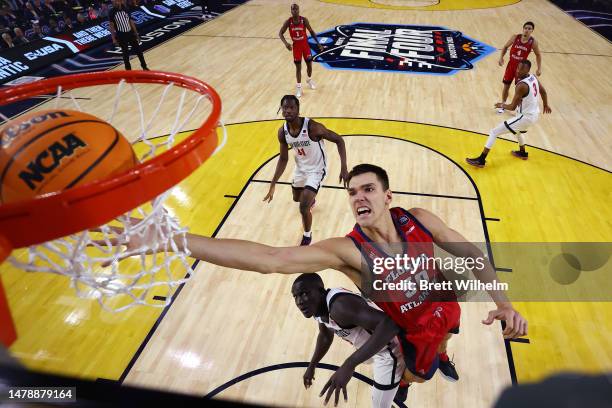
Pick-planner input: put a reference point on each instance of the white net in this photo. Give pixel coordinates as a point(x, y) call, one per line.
point(140, 258)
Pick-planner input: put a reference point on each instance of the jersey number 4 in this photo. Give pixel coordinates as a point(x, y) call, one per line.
point(300, 151)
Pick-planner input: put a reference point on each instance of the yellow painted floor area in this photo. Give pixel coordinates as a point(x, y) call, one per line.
point(63, 334)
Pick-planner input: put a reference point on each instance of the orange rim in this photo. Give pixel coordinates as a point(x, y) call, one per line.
point(67, 212)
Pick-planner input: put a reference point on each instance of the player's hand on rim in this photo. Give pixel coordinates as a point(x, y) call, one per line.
point(337, 382)
point(516, 325)
point(309, 376)
point(132, 242)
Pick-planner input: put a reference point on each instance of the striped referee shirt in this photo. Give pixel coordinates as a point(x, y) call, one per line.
point(121, 18)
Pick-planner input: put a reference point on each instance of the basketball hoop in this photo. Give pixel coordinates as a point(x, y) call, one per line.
point(72, 232)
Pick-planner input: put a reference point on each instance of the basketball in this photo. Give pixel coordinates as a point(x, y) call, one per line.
point(52, 150)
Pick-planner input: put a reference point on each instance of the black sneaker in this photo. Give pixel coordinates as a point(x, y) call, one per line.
point(477, 162)
point(520, 155)
point(447, 368)
point(402, 393)
point(306, 240)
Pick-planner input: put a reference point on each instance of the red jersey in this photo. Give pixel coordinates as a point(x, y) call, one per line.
point(519, 50)
point(404, 307)
point(297, 31)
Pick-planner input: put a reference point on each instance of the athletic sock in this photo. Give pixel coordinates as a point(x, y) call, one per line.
point(307, 234)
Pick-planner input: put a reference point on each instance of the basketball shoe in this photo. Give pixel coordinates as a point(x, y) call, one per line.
point(298, 92)
point(447, 368)
point(476, 161)
point(520, 155)
point(311, 83)
point(306, 240)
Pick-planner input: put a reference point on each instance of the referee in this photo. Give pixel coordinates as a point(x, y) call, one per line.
point(123, 31)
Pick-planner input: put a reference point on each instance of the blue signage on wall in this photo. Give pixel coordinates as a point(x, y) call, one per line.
point(398, 48)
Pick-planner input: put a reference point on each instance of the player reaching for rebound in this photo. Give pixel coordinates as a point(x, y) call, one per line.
point(359, 322)
point(520, 46)
point(297, 26)
point(425, 319)
point(306, 137)
point(526, 99)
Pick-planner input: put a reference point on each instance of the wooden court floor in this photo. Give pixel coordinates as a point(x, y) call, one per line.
point(224, 323)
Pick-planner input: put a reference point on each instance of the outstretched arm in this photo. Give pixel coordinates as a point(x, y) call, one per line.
point(252, 256)
point(281, 165)
point(349, 310)
point(318, 130)
point(519, 93)
point(456, 244)
point(324, 342)
point(544, 96)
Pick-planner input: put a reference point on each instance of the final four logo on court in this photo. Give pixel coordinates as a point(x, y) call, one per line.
point(398, 48)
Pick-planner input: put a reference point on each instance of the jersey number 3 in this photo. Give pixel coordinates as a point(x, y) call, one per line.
point(301, 151)
point(535, 90)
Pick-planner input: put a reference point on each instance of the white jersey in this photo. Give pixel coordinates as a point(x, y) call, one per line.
point(529, 104)
point(357, 336)
point(387, 365)
point(310, 156)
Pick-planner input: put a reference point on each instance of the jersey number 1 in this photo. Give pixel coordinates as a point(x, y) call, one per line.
point(301, 151)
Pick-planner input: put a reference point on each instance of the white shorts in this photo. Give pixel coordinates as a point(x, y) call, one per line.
point(388, 368)
point(311, 180)
point(520, 123)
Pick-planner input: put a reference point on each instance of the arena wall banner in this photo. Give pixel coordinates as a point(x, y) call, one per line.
point(30, 57)
point(20, 61)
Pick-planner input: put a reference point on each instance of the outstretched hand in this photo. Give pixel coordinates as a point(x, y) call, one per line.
point(516, 325)
point(344, 177)
point(309, 376)
point(270, 194)
point(547, 109)
point(337, 382)
point(132, 242)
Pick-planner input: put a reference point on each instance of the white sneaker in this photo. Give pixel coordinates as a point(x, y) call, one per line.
point(500, 110)
point(311, 84)
point(298, 93)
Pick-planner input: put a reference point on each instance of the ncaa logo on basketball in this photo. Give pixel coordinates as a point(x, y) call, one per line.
point(49, 159)
point(399, 48)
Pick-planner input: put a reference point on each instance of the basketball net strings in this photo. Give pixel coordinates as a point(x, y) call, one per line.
point(149, 233)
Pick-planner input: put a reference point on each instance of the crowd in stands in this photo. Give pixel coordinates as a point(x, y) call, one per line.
point(23, 21)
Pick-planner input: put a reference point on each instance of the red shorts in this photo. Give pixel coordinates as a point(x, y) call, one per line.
point(510, 74)
point(420, 345)
point(301, 49)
